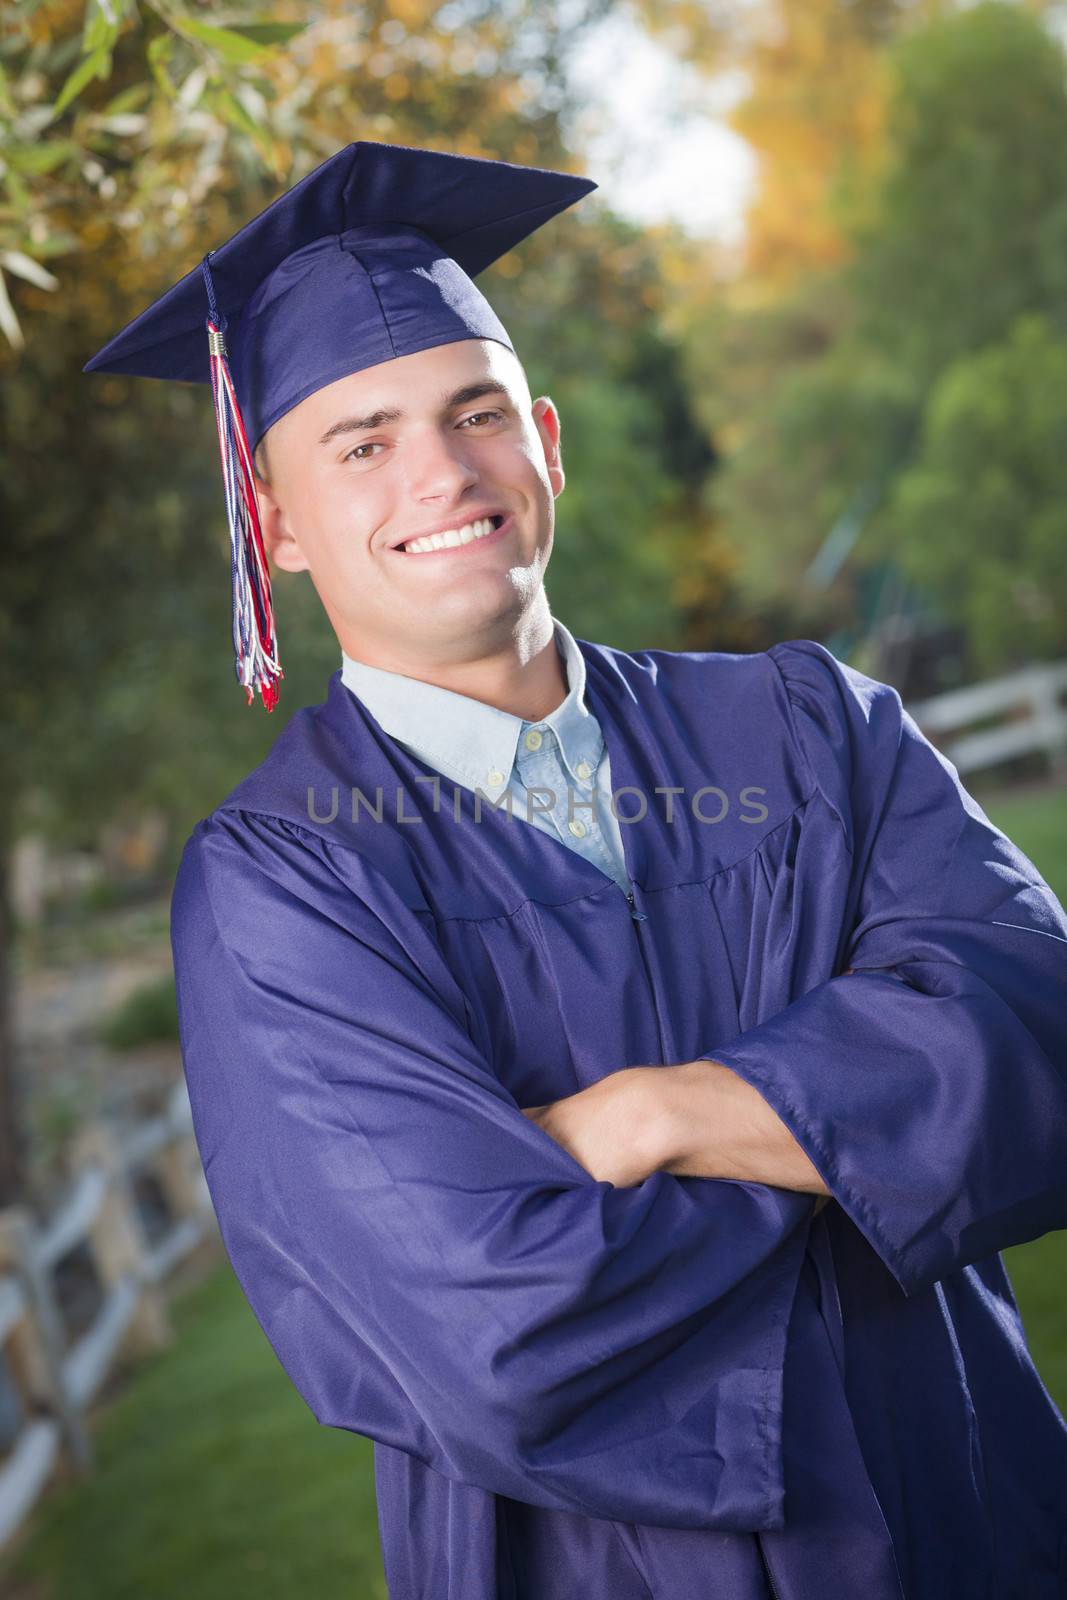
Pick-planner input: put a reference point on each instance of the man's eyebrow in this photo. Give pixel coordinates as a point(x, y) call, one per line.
point(458, 397)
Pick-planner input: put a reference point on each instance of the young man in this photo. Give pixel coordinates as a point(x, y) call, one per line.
point(633, 1175)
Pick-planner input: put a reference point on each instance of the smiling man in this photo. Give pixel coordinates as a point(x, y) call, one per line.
point(616, 1075)
point(373, 481)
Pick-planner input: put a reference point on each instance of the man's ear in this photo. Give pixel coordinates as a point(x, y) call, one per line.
point(279, 540)
point(546, 419)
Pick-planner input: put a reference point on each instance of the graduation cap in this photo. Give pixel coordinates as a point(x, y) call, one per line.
point(369, 257)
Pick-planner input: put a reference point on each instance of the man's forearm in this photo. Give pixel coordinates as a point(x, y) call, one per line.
point(715, 1125)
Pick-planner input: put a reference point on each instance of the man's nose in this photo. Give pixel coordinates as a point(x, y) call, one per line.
point(440, 467)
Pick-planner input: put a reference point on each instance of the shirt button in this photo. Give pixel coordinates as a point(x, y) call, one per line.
point(533, 739)
point(577, 828)
point(584, 769)
point(495, 778)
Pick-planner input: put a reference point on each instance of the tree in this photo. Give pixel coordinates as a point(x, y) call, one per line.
point(119, 687)
point(819, 384)
point(98, 145)
point(980, 517)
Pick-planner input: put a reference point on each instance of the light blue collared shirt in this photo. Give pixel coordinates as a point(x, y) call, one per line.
point(480, 747)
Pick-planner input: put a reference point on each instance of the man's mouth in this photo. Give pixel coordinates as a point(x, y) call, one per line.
point(484, 528)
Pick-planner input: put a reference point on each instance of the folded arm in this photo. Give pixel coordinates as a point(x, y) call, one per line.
point(431, 1268)
point(716, 1125)
point(928, 1084)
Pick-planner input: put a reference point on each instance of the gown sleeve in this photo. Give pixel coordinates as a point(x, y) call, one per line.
point(430, 1267)
point(928, 1085)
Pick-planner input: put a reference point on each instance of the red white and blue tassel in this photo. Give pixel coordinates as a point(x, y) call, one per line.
point(254, 640)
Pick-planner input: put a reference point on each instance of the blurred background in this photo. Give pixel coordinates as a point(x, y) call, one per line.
point(808, 342)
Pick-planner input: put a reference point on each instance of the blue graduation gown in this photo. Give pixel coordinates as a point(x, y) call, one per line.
point(686, 1386)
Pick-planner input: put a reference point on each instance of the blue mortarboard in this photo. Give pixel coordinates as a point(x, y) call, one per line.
point(369, 257)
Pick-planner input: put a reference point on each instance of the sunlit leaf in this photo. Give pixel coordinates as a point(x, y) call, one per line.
point(7, 104)
point(159, 53)
point(101, 31)
point(268, 33)
point(123, 127)
point(40, 158)
point(55, 244)
point(228, 43)
point(24, 266)
point(230, 109)
point(18, 191)
point(96, 65)
point(9, 323)
point(129, 100)
point(191, 90)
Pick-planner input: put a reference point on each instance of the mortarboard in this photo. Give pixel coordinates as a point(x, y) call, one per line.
point(367, 258)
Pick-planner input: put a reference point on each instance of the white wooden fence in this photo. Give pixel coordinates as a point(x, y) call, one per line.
point(54, 1375)
point(1028, 711)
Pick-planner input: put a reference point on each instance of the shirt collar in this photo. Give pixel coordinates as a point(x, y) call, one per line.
point(473, 743)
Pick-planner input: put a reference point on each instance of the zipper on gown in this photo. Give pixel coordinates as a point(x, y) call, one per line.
point(638, 916)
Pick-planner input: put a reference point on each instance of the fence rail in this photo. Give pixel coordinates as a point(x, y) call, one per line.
point(1028, 714)
point(55, 1375)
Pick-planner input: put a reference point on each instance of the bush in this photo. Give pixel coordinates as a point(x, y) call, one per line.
point(147, 1015)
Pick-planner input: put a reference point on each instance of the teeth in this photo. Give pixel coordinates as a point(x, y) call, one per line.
point(452, 536)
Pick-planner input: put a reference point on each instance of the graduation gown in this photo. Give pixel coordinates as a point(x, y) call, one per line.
point(689, 1385)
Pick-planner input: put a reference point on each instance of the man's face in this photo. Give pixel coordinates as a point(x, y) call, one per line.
point(432, 441)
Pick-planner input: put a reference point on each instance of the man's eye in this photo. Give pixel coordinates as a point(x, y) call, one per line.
point(374, 444)
point(476, 414)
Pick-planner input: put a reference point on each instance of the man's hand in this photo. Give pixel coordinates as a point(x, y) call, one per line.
point(616, 1129)
point(696, 1119)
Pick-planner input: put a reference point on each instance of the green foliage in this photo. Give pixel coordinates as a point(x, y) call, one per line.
point(240, 46)
point(971, 224)
point(980, 517)
point(120, 688)
point(119, 95)
point(808, 423)
point(908, 401)
point(146, 1016)
point(630, 444)
point(612, 564)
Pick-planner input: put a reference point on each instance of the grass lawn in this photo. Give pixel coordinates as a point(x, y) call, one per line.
point(1037, 822)
point(214, 1479)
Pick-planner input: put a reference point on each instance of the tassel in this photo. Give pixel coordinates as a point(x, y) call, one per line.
point(254, 641)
